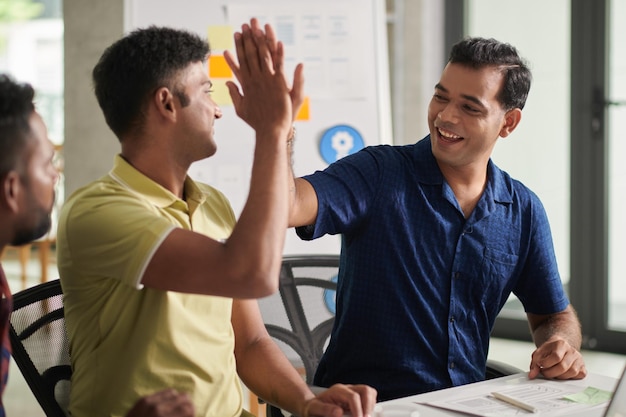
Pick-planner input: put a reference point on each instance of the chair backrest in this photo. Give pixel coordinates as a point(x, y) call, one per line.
point(40, 345)
point(300, 316)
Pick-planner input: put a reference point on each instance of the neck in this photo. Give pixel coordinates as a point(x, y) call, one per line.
point(159, 165)
point(468, 185)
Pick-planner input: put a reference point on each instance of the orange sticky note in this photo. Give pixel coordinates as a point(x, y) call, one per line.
point(304, 112)
point(218, 68)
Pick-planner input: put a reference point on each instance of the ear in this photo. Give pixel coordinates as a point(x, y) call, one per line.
point(11, 188)
point(511, 120)
point(164, 102)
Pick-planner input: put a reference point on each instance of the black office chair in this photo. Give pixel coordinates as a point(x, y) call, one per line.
point(300, 316)
point(41, 347)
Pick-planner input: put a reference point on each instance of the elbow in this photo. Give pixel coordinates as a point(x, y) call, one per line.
point(259, 281)
point(264, 289)
point(263, 284)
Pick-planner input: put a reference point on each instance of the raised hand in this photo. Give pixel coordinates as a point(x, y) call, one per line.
point(265, 100)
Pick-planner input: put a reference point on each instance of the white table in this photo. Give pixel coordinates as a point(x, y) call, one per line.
point(598, 381)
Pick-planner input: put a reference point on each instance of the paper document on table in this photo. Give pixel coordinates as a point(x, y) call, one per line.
point(545, 396)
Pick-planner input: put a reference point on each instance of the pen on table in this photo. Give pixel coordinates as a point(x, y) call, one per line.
point(515, 402)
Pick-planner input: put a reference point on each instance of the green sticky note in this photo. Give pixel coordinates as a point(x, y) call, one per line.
point(590, 395)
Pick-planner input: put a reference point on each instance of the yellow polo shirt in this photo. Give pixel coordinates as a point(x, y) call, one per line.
point(127, 341)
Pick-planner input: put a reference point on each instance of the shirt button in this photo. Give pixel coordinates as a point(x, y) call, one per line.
point(451, 365)
point(452, 319)
point(457, 274)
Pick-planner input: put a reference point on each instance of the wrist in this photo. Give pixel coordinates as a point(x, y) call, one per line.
point(292, 136)
point(306, 406)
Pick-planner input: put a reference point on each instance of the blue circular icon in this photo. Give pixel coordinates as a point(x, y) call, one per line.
point(340, 141)
point(329, 298)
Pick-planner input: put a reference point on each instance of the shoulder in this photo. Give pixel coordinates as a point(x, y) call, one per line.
point(380, 157)
point(215, 202)
point(98, 194)
point(509, 190)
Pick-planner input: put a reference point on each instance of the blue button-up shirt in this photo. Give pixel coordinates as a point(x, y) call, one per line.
point(419, 285)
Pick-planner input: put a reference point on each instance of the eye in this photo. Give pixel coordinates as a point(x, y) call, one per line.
point(471, 109)
point(439, 97)
point(209, 88)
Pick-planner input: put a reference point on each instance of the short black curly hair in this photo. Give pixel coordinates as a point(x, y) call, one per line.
point(479, 52)
point(134, 67)
point(16, 108)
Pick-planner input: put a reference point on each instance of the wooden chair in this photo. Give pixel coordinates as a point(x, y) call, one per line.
point(44, 249)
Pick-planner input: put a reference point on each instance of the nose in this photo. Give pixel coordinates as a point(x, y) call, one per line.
point(218, 112)
point(447, 113)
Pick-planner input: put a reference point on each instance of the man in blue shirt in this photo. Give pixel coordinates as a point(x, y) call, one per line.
point(434, 239)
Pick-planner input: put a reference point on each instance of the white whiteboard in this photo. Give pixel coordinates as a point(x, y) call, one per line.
point(343, 46)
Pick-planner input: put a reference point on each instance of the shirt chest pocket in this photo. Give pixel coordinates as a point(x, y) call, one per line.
point(496, 271)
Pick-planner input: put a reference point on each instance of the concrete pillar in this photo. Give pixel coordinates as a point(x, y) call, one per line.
point(89, 145)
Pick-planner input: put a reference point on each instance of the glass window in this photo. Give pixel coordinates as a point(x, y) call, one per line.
point(31, 50)
point(616, 168)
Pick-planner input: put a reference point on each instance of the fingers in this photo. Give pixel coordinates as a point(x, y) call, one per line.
point(297, 90)
point(557, 360)
point(358, 400)
point(262, 96)
point(247, 52)
point(272, 41)
point(255, 48)
point(230, 60)
point(264, 42)
point(367, 395)
point(235, 95)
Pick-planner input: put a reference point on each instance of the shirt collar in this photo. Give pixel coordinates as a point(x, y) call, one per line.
point(129, 177)
point(499, 184)
point(427, 172)
point(426, 169)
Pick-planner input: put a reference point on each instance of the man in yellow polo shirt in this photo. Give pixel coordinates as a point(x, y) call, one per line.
point(159, 279)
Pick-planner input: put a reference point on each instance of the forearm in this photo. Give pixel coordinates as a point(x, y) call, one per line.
point(558, 338)
point(268, 373)
point(258, 238)
point(564, 325)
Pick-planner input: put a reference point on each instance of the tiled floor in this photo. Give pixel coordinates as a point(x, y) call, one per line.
point(19, 401)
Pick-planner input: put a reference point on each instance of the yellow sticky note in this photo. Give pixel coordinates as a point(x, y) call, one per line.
point(220, 37)
point(304, 112)
point(218, 68)
point(220, 93)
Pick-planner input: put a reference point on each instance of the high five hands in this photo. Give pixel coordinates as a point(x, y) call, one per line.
point(265, 101)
